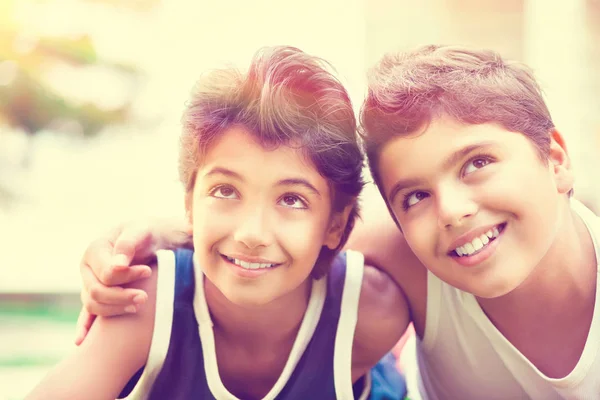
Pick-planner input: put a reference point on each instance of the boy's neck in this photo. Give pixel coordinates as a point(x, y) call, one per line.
point(555, 304)
point(566, 275)
point(257, 326)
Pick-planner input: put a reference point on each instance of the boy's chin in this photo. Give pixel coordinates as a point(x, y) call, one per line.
point(247, 298)
point(495, 292)
point(491, 284)
point(498, 287)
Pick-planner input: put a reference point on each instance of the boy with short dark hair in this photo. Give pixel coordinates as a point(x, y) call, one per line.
point(467, 158)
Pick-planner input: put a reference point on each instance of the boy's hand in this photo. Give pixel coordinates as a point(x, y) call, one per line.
point(106, 267)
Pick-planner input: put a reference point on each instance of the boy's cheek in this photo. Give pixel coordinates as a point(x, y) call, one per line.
point(300, 238)
point(207, 231)
point(419, 239)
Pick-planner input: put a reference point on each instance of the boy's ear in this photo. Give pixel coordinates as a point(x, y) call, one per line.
point(560, 163)
point(337, 226)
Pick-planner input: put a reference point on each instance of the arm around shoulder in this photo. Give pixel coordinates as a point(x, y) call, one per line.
point(115, 348)
point(377, 236)
point(383, 316)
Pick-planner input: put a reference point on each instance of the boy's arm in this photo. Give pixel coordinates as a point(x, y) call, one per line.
point(383, 316)
point(377, 236)
point(114, 350)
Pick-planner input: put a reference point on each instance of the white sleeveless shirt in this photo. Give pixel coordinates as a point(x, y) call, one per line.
point(463, 356)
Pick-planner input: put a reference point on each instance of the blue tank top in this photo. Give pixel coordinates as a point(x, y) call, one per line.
point(183, 372)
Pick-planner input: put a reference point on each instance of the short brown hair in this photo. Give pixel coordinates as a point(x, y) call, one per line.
point(287, 97)
point(407, 90)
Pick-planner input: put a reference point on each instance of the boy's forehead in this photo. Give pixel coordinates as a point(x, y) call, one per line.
point(239, 150)
point(442, 136)
point(440, 145)
point(237, 141)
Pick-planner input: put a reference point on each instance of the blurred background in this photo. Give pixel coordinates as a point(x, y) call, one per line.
point(91, 92)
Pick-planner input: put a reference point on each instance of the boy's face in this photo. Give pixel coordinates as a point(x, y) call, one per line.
point(259, 218)
point(476, 203)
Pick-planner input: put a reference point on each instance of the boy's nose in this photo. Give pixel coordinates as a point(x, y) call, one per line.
point(253, 230)
point(454, 208)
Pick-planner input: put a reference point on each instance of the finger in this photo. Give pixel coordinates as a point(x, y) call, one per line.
point(112, 310)
point(112, 276)
point(104, 273)
point(98, 257)
point(89, 279)
point(121, 277)
point(134, 242)
point(112, 295)
point(84, 323)
point(116, 296)
point(109, 310)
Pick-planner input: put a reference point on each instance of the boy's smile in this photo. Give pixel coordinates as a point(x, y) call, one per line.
point(477, 245)
point(472, 201)
point(249, 267)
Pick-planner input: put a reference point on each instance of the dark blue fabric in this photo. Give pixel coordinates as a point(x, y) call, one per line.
point(183, 377)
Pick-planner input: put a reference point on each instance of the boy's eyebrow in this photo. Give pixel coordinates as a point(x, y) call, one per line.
point(283, 182)
point(224, 171)
point(447, 164)
point(401, 185)
point(299, 182)
point(462, 153)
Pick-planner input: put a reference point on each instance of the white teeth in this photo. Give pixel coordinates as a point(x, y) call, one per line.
point(484, 239)
point(469, 248)
point(478, 243)
point(249, 265)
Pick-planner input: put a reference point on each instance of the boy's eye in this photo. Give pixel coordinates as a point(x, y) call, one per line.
point(413, 198)
point(224, 192)
point(475, 164)
point(292, 201)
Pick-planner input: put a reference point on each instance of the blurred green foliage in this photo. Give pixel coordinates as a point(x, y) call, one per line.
point(29, 103)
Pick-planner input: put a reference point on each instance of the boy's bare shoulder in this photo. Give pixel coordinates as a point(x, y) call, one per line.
point(382, 307)
point(383, 316)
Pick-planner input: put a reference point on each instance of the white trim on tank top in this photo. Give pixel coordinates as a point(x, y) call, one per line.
point(205, 327)
point(163, 321)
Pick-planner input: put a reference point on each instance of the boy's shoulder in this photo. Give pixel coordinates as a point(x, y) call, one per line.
point(382, 318)
point(587, 215)
point(374, 293)
point(382, 306)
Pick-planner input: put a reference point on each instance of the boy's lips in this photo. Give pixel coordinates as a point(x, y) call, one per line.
point(490, 231)
point(250, 263)
point(480, 248)
point(249, 259)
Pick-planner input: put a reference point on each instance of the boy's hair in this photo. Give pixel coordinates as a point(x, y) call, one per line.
point(286, 98)
point(408, 90)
